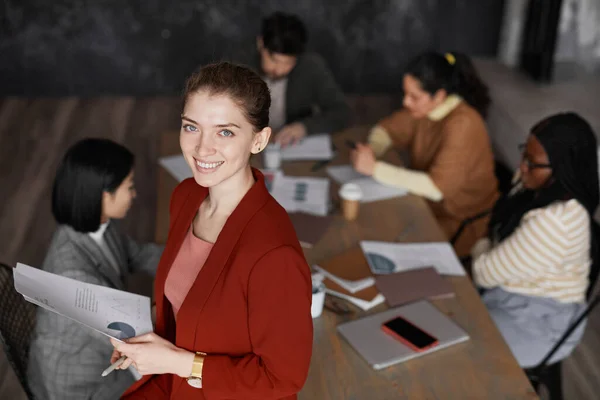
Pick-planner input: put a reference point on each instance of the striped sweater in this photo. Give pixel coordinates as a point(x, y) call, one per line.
point(547, 255)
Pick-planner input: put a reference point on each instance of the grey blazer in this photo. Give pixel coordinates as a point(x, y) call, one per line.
point(313, 97)
point(66, 358)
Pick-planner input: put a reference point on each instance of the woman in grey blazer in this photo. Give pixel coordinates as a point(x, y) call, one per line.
point(93, 187)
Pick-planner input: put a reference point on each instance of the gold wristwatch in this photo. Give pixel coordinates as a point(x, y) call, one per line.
point(195, 378)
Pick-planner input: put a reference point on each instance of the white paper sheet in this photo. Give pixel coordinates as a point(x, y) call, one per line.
point(176, 166)
point(306, 194)
point(385, 258)
point(363, 304)
point(313, 147)
point(112, 312)
point(372, 190)
point(351, 286)
point(343, 173)
point(375, 191)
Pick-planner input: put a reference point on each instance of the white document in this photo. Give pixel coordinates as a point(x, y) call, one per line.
point(351, 286)
point(306, 194)
point(371, 189)
point(375, 191)
point(313, 147)
point(386, 258)
point(344, 173)
point(176, 166)
point(363, 304)
point(112, 312)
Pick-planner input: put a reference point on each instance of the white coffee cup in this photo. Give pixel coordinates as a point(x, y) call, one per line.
point(318, 299)
point(272, 156)
point(351, 195)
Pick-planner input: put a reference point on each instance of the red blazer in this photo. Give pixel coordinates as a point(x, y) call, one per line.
point(249, 308)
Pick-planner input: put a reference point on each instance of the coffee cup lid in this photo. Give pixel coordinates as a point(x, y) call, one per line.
point(350, 191)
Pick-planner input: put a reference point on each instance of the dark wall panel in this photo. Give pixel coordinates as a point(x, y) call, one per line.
point(92, 47)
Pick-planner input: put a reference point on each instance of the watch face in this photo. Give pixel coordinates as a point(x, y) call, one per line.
point(195, 382)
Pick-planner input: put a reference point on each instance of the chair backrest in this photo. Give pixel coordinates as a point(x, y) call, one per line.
point(592, 302)
point(17, 321)
point(595, 267)
point(504, 175)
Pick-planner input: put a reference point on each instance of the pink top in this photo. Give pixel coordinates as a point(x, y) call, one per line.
point(189, 261)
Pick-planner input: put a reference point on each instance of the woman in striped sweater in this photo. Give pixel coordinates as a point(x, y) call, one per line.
point(536, 263)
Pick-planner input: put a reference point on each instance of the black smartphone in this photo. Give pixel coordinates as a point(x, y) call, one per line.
point(351, 144)
point(409, 334)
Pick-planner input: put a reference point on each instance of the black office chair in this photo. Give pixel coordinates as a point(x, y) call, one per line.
point(466, 222)
point(547, 378)
point(504, 176)
point(543, 377)
point(17, 321)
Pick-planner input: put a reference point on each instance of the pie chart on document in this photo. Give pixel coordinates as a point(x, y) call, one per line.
point(380, 264)
point(121, 330)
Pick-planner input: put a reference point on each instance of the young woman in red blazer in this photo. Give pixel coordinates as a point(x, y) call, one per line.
point(233, 290)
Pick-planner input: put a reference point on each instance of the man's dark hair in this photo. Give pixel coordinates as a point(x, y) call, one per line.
point(284, 33)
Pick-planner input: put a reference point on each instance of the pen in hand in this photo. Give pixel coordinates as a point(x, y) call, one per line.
point(114, 366)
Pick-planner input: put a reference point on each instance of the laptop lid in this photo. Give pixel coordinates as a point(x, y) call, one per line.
point(381, 350)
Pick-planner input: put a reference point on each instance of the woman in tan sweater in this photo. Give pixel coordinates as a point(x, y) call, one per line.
point(442, 127)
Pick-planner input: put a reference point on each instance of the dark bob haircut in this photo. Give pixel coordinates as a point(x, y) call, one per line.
point(90, 167)
point(284, 34)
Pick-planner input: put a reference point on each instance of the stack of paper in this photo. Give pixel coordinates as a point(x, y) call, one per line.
point(305, 194)
point(348, 276)
point(176, 166)
point(386, 258)
point(371, 189)
point(344, 173)
point(112, 312)
point(313, 147)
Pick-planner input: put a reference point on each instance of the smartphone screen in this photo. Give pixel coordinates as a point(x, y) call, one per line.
point(409, 332)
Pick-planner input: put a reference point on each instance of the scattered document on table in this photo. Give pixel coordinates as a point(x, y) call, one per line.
point(313, 147)
point(112, 312)
point(344, 173)
point(375, 191)
point(306, 194)
point(351, 286)
point(386, 258)
point(371, 189)
point(176, 166)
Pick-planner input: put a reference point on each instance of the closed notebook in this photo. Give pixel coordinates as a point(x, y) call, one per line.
point(349, 271)
point(348, 276)
point(417, 284)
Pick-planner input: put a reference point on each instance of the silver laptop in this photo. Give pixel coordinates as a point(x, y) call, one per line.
point(382, 350)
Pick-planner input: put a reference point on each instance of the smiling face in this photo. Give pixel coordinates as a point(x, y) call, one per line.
point(217, 139)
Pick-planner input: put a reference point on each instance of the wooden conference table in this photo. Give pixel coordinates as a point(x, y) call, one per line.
point(481, 368)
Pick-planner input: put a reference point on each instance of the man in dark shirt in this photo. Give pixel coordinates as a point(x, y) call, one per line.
point(305, 97)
